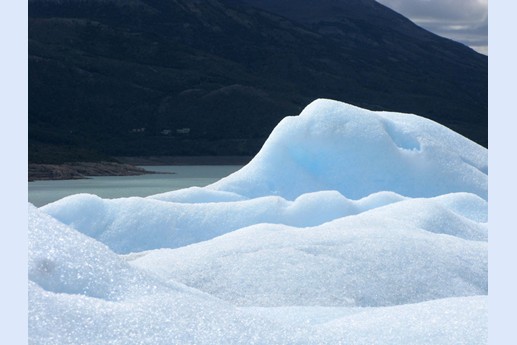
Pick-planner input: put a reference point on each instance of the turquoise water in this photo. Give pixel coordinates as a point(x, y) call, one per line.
point(170, 178)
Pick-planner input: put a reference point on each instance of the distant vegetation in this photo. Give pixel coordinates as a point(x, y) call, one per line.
point(111, 78)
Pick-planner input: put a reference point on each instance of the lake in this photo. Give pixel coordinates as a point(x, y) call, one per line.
point(169, 178)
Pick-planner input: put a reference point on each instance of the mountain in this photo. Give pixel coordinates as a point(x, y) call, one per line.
point(178, 77)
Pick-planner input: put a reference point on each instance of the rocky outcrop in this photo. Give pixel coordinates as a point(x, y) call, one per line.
point(81, 170)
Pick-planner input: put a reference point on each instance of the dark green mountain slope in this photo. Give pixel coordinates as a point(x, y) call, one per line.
point(173, 77)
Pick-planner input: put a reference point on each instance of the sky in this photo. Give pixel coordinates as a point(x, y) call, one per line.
point(464, 21)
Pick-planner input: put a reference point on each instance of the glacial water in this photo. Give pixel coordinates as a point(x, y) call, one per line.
point(167, 179)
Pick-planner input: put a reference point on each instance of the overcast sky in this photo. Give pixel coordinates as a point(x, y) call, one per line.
point(465, 21)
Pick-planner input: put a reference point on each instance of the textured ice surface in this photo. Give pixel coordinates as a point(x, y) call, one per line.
point(373, 259)
point(85, 294)
point(336, 146)
point(197, 195)
point(135, 224)
point(349, 227)
point(82, 293)
point(460, 320)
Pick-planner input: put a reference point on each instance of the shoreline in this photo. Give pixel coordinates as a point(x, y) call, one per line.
point(184, 160)
point(81, 170)
point(125, 166)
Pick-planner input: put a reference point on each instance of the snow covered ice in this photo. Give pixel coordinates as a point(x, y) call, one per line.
point(348, 227)
point(336, 146)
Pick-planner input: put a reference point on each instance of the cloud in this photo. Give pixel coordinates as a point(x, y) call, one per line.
point(465, 21)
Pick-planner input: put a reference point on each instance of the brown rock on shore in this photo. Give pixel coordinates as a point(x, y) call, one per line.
point(81, 170)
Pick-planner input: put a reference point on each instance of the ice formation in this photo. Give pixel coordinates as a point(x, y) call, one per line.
point(337, 146)
point(350, 226)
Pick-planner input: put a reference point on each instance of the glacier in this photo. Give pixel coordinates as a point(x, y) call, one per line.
point(350, 226)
